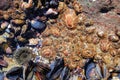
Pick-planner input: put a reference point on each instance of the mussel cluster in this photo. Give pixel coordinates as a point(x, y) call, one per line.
point(60, 40)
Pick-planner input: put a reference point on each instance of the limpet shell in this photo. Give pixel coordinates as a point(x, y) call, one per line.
point(113, 38)
point(118, 33)
point(116, 45)
point(101, 34)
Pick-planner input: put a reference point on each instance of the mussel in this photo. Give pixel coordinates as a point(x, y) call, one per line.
point(65, 74)
point(15, 73)
point(1, 75)
point(56, 69)
point(96, 71)
point(38, 25)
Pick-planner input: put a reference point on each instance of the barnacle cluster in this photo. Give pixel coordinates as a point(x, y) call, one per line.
point(75, 38)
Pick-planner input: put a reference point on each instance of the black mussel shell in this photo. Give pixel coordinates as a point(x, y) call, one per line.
point(1, 75)
point(23, 55)
point(15, 73)
point(88, 70)
point(29, 71)
point(96, 71)
point(38, 25)
point(54, 3)
point(42, 68)
point(56, 69)
point(65, 75)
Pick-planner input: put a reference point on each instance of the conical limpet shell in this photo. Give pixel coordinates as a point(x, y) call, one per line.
point(101, 34)
point(113, 38)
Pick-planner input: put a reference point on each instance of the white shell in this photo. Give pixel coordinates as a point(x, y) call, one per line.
point(4, 25)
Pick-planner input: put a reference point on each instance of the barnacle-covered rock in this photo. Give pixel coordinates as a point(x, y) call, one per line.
point(77, 6)
point(105, 45)
point(88, 53)
point(108, 59)
point(46, 32)
point(55, 31)
point(47, 42)
point(23, 55)
point(61, 7)
point(90, 30)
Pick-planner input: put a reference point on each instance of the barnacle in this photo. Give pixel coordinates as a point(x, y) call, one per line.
point(23, 55)
point(70, 18)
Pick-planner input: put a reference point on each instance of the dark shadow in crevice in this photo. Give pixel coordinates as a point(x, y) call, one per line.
point(118, 14)
point(106, 9)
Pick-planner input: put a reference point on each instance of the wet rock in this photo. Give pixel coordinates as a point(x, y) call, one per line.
point(3, 5)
